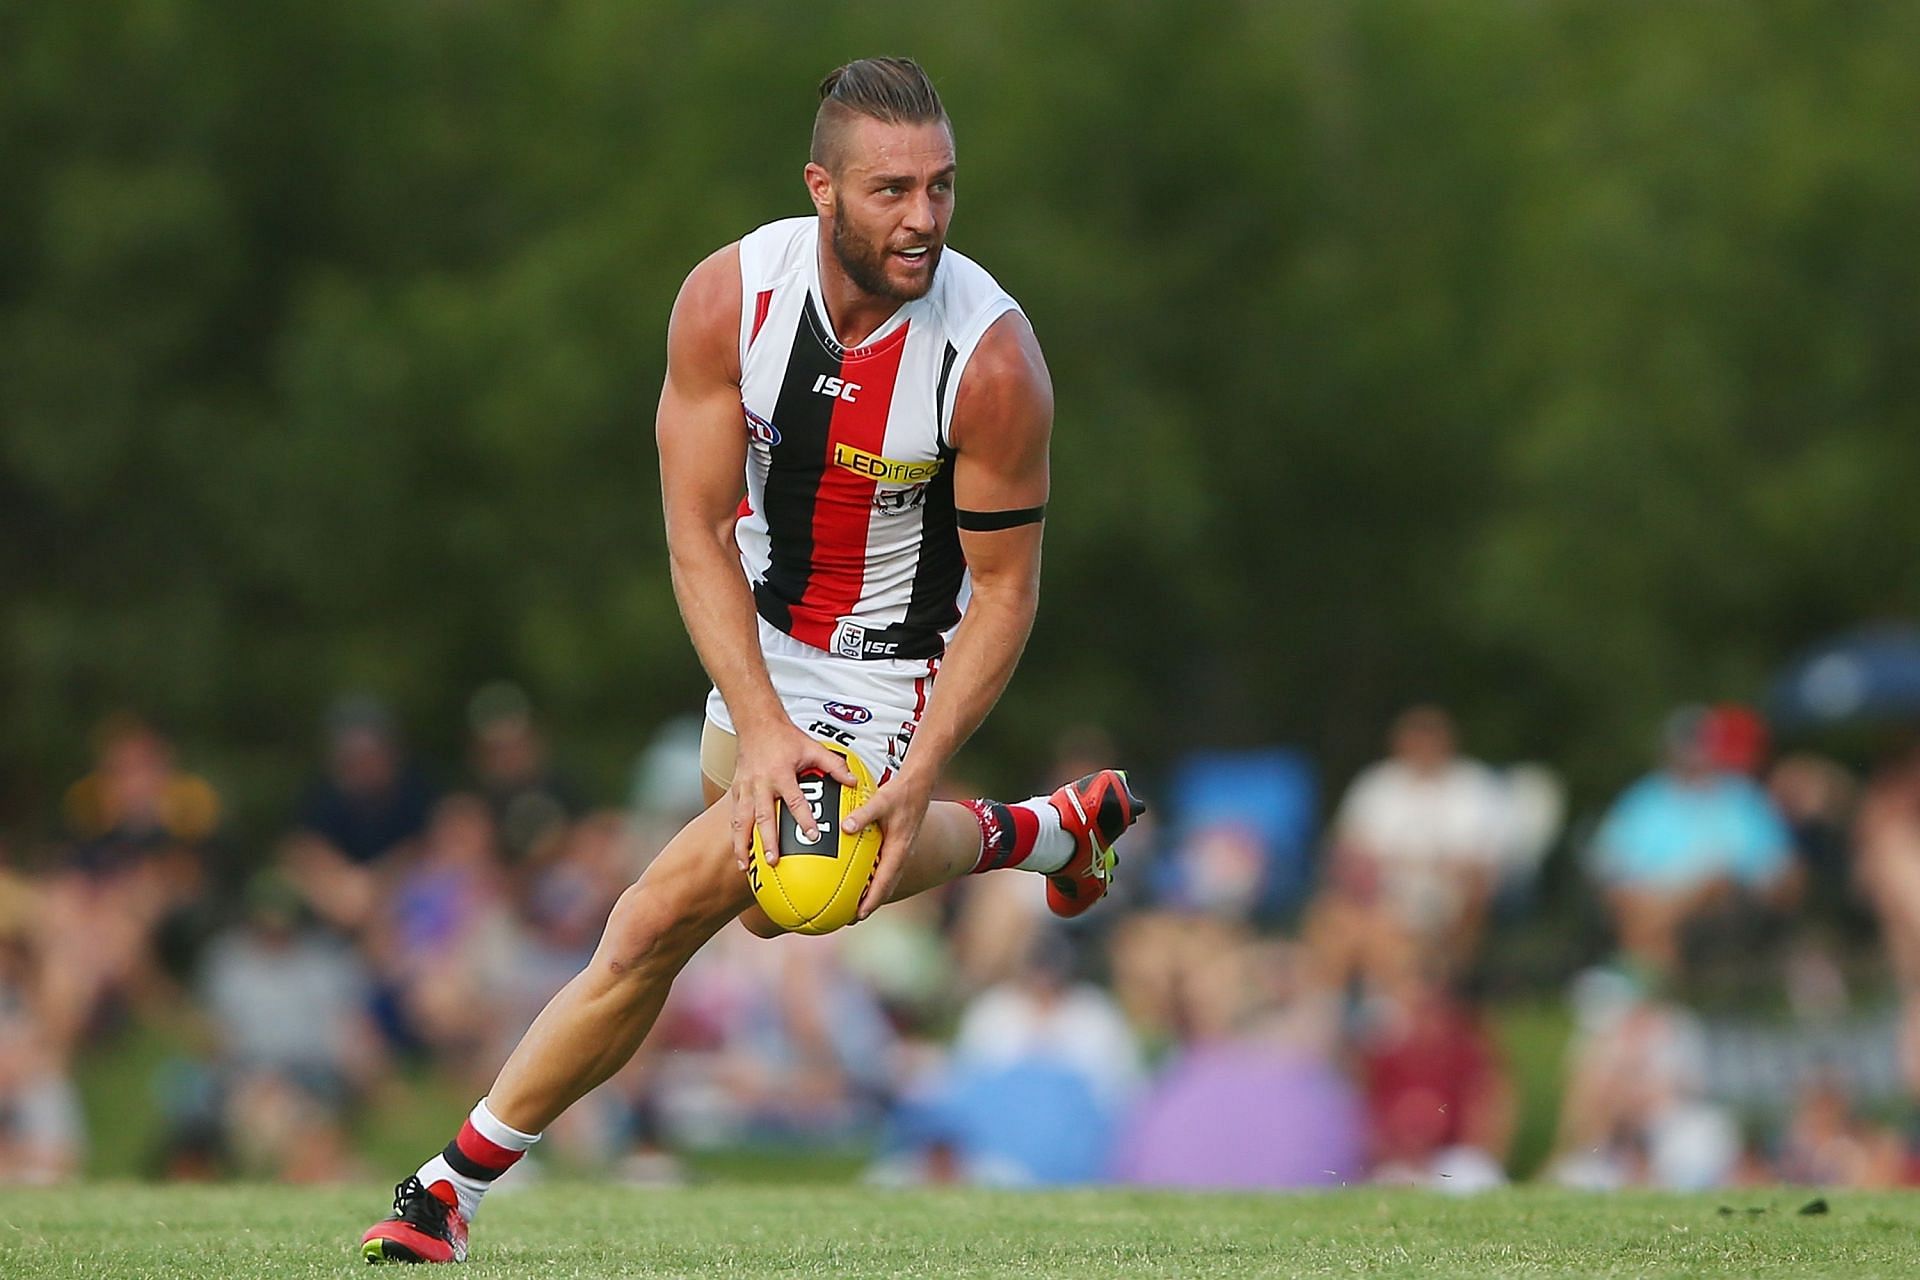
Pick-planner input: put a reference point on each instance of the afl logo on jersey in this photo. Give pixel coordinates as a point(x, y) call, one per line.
point(760, 430)
point(848, 712)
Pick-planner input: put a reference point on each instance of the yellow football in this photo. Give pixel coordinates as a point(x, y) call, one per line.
point(816, 887)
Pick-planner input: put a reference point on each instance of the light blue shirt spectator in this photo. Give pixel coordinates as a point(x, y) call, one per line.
point(1667, 834)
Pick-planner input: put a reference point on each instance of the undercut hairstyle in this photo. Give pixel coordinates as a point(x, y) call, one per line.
point(890, 90)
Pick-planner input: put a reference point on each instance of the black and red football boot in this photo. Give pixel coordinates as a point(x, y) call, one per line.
point(425, 1226)
point(1094, 811)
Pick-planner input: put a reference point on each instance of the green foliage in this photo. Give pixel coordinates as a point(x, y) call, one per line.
point(1557, 360)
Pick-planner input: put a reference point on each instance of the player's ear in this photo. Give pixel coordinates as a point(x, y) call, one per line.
point(820, 187)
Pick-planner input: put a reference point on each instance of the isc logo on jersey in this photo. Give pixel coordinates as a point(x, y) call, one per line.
point(815, 887)
point(850, 641)
point(827, 386)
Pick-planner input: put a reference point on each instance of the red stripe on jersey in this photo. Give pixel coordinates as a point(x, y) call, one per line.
point(843, 506)
point(761, 302)
point(484, 1152)
point(746, 509)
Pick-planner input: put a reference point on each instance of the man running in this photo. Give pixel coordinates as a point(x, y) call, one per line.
point(890, 408)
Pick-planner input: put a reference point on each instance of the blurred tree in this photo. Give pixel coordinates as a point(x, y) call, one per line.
point(1555, 360)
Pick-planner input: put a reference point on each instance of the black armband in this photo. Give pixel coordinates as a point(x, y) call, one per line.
point(988, 521)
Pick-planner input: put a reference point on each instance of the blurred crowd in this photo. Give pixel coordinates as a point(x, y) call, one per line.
point(1274, 998)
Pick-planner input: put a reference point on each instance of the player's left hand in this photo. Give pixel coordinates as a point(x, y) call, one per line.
point(899, 806)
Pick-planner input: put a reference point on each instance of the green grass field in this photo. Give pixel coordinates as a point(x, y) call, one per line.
point(130, 1231)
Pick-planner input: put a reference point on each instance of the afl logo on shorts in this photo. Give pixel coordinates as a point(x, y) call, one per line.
point(847, 712)
point(761, 431)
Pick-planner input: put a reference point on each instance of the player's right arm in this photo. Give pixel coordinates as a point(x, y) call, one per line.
point(702, 437)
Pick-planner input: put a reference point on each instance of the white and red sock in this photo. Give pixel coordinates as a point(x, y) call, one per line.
point(1027, 835)
point(484, 1149)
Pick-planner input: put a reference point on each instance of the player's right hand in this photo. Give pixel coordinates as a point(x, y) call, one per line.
point(766, 774)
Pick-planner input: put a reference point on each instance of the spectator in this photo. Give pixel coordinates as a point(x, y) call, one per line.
point(136, 803)
point(140, 827)
point(19, 904)
point(1046, 1015)
point(811, 1055)
point(1181, 978)
point(442, 940)
point(1635, 1110)
point(1416, 846)
point(531, 802)
point(1816, 798)
point(907, 962)
point(1888, 835)
point(1685, 841)
point(778, 1042)
point(370, 803)
point(564, 903)
point(41, 1129)
point(1827, 1145)
point(567, 902)
point(1440, 1110)
point(295, 1047)
point(1040, 1071)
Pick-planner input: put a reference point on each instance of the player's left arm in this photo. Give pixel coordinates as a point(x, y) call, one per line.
point(1002, 421)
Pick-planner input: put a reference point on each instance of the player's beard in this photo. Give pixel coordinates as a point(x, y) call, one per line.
point(866, 263)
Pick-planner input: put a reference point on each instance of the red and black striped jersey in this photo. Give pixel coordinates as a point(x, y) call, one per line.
point(847, 530)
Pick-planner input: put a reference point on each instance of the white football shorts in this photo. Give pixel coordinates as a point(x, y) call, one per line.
point(870, 706)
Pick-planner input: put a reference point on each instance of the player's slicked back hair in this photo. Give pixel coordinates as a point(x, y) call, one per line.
point(891, 90)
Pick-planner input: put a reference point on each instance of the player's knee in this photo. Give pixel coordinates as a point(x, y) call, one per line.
point(653, 929)
point(759, 925)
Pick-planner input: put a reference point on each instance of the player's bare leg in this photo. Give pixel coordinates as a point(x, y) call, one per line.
point(595, 1024)
point(590, 1029)
point(586, 1033)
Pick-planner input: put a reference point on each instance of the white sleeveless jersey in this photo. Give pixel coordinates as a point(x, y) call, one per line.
point(847, 530)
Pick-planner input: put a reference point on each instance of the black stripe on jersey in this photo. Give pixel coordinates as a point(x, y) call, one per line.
point(803, 417)
point(940, 395)
point(935, 604)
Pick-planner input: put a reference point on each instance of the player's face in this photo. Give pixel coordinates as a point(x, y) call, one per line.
point(891, 202)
